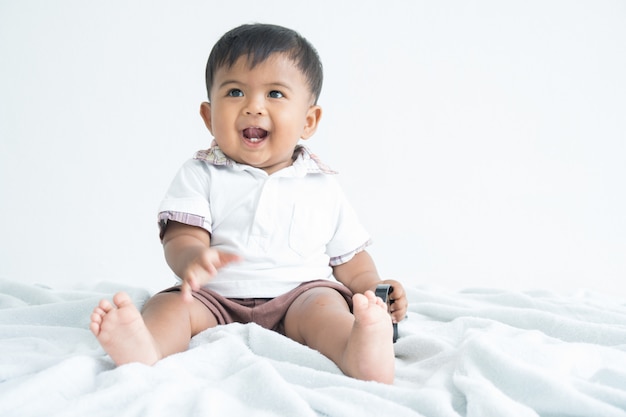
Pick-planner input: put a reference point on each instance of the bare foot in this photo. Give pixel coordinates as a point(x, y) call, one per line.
point(121, 331)
point(369, 354)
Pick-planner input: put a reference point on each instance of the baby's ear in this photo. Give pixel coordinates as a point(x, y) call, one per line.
point(205, 113)
point(313, 116)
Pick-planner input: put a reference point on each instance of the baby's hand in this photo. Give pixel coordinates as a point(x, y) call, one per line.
point(202, 268)
point(397, 299)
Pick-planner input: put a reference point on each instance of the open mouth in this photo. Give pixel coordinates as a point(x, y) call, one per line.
point(254, 134)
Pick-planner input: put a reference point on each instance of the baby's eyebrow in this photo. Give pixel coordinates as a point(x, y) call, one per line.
point(271, 83)
point(280, 85)
point(227, 82)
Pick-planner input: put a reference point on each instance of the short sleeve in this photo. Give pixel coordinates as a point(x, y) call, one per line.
point(350, 236)
point(186, 200)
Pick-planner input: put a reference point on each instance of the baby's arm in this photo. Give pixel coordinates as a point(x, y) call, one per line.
point(189, 254)
point(360, 275)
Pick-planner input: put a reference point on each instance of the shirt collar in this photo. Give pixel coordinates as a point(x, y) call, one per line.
point(304, 161)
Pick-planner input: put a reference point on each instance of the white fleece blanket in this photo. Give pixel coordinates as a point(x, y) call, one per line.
point(475, 353)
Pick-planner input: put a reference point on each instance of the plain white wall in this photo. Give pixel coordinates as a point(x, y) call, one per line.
point(482, 142)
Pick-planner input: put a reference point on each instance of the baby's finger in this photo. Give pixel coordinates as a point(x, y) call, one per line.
point(226, 258)
point(399, 309)
point(185, 291)
point(397, 292)
point(398, 316)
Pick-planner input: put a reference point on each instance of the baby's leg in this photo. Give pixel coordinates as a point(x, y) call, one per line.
point(360, 344)
point(165, 326)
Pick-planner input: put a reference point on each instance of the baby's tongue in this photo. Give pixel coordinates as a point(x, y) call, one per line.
point(254, 132)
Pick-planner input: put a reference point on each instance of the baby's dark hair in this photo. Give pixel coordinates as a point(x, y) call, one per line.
point(259, 41)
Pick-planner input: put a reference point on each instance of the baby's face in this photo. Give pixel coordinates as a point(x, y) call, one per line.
point(257, 116)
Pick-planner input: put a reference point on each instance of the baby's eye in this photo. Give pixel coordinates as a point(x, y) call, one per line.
point(276, 94)
point(235, 92)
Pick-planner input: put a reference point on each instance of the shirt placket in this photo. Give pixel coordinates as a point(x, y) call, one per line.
point(264, 219)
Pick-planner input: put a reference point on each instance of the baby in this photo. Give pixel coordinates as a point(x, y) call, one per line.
point(257, 228)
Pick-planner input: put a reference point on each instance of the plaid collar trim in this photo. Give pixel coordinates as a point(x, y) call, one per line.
point(303, 160)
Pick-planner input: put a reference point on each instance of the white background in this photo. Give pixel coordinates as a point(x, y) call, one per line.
point(482, 142)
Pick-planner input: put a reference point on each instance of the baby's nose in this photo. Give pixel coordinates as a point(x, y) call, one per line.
point(255, 106)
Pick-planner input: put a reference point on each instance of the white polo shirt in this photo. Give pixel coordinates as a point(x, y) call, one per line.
point(289, 227)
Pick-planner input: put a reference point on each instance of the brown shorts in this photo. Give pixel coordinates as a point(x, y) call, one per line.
point(266, 312)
